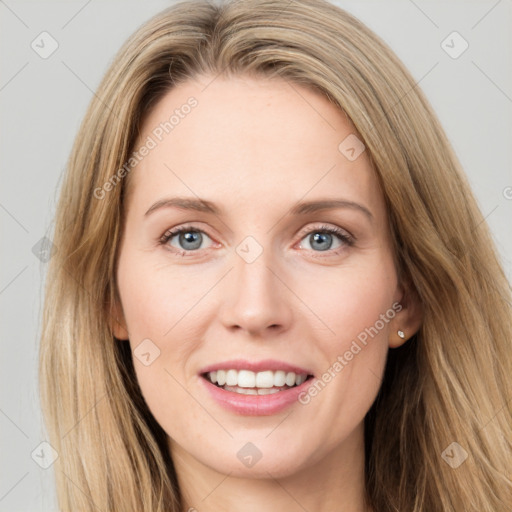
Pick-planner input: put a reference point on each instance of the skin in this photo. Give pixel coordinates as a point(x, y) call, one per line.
point(256, 147)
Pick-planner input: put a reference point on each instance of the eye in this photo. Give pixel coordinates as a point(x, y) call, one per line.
point(188, 239)
point(321, 239)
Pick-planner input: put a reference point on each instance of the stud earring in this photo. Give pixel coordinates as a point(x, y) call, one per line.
point(401, 334)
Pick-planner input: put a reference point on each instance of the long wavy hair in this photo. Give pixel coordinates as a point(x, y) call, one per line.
point(450, 383)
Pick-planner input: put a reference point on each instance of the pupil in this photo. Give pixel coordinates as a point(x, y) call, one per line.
point(191, 237)
point(322, 237)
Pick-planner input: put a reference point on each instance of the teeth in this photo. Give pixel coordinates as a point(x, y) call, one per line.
point(231, 378)
point(246, 391)
point(265, 380)
point(268, 391)
point(290, 379)
point(246, 379)
point(279, 378)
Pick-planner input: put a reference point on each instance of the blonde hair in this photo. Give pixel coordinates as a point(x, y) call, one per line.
point(449, 383)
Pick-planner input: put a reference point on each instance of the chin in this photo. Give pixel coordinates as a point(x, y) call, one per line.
point(251, 462)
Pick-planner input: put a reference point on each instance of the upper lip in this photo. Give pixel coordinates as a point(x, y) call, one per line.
point(256, 366)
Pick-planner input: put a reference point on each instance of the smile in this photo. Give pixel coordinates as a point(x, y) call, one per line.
point(247, 382)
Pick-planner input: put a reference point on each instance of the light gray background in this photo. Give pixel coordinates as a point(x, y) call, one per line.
point(42, 102)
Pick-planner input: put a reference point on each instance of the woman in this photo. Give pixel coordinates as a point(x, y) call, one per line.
point(256, 369)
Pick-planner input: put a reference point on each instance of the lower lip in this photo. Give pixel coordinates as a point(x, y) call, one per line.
point(256, 405)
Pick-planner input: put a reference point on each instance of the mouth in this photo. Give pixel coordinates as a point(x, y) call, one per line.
point(247, 382)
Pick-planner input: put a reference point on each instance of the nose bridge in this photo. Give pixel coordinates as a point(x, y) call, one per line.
point(255, 299)
point(252, 273)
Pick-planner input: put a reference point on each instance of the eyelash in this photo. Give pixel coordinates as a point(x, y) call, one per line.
point(347, 239)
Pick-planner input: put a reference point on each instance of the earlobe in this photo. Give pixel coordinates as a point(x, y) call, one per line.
point(117, 321)
point(397, 338)
point(408, 321)
point(119, 329)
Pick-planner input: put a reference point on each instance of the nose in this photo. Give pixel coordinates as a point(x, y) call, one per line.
point(256, 297)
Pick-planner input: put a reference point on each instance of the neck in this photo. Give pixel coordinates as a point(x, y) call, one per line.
point(334, 482)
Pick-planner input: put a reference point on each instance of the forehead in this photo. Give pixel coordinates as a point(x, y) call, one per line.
point(245, 139)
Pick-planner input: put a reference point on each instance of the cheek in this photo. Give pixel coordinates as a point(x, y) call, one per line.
point(351, 300)
point(160, 313)
point(355, 306)
point(154, 298)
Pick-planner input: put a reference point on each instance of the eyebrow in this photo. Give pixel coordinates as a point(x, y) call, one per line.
point(303, 208)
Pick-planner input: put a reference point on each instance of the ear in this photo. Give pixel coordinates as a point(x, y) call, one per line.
point(408, 319)
point(116, 319)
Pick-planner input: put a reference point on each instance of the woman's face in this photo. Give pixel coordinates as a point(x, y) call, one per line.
point(257, 283)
